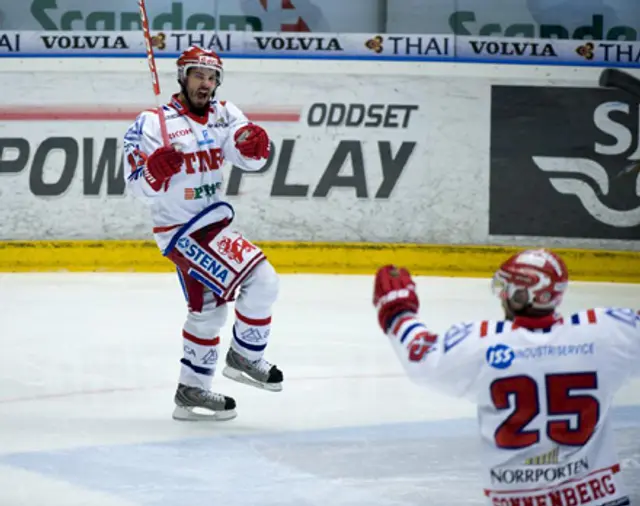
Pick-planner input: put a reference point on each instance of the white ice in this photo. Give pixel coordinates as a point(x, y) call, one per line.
point(88, 370)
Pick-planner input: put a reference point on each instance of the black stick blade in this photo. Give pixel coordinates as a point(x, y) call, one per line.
point(614, 78)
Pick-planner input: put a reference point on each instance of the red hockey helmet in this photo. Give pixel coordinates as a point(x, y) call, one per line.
point(197, 57)
point(536, 278)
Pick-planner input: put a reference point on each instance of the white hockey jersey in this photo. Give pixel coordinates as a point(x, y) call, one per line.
point(193, 193)
point(543, 398)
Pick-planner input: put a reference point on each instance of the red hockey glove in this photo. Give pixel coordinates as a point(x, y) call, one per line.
point(252, 141)
point(161, 165)
point(394, 292)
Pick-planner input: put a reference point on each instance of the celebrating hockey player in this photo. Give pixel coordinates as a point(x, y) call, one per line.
point(543, 384)
point(191, 224)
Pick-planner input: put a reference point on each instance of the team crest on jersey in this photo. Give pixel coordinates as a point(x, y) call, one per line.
point(500, 356)
point(235, 249)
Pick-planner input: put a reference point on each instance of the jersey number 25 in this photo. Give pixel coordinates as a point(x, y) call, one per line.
point(578, 413)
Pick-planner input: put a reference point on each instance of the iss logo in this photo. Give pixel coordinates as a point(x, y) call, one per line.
point(565, 162)
point(500, 356)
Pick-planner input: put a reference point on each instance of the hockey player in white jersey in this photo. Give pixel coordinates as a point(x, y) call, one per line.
point(191, 224)
point(543, 384)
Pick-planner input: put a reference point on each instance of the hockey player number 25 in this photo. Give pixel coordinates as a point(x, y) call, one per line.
point(574, 414)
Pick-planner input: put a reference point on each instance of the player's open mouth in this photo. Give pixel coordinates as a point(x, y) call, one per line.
point(203, 95)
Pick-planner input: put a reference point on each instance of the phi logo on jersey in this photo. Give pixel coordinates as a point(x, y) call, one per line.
point(500, 356)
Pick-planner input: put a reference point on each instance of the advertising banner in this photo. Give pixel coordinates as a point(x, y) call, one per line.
point(415, 47)
point(177, 15)
point(338, 158)
point(610, 20)
point(229, 44)
point(558, 156)
point(431, 158)
point(548, 51)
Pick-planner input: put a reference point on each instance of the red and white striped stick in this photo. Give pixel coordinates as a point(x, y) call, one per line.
point(154, 72)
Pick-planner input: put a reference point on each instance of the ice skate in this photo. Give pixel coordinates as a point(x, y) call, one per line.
point(259, 373)
point(212, 406)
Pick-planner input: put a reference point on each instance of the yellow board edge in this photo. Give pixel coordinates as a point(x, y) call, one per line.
point(313, 257)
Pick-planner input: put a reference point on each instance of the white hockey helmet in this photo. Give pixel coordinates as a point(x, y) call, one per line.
point(532, 278)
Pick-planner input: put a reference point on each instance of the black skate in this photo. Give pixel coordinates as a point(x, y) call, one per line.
point(215, 407)
point(259, 373)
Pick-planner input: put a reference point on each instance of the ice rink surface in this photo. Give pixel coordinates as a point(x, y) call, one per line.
point(88, 370)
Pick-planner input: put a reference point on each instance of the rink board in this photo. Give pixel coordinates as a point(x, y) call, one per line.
point(313, 257)
point(425, 153)
point(408, 166)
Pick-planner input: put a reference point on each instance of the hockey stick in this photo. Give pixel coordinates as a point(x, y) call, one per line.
point(618, 79)
point(154, 72)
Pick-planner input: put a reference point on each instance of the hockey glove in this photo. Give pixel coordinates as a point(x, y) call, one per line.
point(394, 292)
point(252, 141)
point(161, 165)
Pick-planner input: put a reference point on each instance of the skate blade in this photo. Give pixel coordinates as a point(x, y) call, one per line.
point(188, 415)
point(240, 377)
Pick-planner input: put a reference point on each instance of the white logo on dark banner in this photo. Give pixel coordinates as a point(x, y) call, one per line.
point(586, 192)
point(565, 162)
